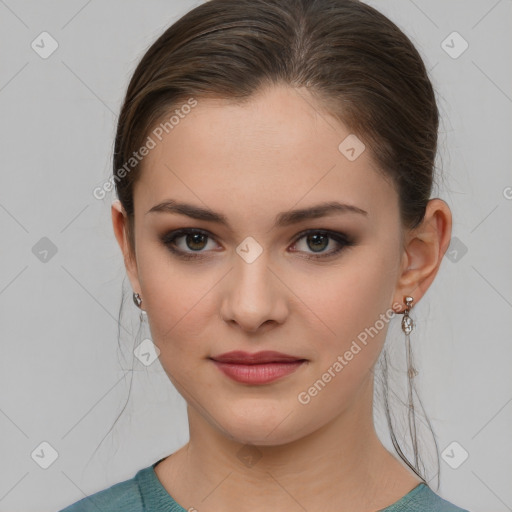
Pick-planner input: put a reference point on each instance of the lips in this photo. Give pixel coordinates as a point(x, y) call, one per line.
point(267, 356)
point(258, 368)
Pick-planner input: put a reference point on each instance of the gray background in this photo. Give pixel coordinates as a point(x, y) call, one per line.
point(63, 379)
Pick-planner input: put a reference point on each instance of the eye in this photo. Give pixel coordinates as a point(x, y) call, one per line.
point(319, 240)
point(194, 239)
point(194, 242)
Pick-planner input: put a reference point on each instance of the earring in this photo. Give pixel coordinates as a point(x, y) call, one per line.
point(407, 327)
point(137, 300)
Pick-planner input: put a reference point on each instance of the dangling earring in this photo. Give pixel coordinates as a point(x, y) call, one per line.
point(407, 327)
point(137, 300)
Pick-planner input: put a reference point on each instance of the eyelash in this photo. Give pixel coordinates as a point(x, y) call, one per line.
point(169, 239)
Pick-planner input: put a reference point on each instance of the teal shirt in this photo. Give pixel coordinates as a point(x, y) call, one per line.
point(145, 493)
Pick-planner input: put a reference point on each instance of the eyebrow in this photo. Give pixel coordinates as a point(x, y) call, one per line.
point(282, 219)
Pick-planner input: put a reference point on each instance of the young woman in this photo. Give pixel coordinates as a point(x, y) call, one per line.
point(274, 162)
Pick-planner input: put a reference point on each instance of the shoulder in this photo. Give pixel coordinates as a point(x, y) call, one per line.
point(439, 504)
point(122, 497)
point(423, 499)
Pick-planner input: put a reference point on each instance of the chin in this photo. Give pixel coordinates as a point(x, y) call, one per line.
point(260, 426)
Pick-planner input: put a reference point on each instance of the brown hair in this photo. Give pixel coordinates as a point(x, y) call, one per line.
point(360, 67)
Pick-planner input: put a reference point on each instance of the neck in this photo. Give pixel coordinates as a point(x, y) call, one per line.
point(343, 465)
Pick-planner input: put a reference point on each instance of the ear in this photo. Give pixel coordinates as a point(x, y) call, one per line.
point(120, 225)
point(424, 248)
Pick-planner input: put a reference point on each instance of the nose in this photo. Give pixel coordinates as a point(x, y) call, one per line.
point(254, 298)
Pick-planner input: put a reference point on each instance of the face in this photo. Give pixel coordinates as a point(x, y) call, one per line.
point(318, 288)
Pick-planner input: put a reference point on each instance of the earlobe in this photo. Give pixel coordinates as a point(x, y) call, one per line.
point(424, 249)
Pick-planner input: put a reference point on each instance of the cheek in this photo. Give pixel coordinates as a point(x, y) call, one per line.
point(176, 295)
point(352, 307)
point(354, 302)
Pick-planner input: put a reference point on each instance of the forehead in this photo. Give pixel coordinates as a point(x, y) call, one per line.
point(276, 149)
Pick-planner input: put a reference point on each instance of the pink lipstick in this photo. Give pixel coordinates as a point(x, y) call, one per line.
point(257, 368)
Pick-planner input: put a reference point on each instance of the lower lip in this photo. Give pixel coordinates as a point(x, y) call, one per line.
point(258, 373)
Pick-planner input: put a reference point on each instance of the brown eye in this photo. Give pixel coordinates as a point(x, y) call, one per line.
point(190, 243)
point(318, 240)
point(195, 241)
point(187, 243)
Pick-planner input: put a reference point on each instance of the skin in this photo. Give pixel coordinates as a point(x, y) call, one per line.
point(251, 161)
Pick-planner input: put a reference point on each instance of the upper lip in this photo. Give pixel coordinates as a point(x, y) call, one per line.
point(266, 356)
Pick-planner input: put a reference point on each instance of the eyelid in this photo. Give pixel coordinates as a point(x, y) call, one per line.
point(169, 238)
point(344, 240)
